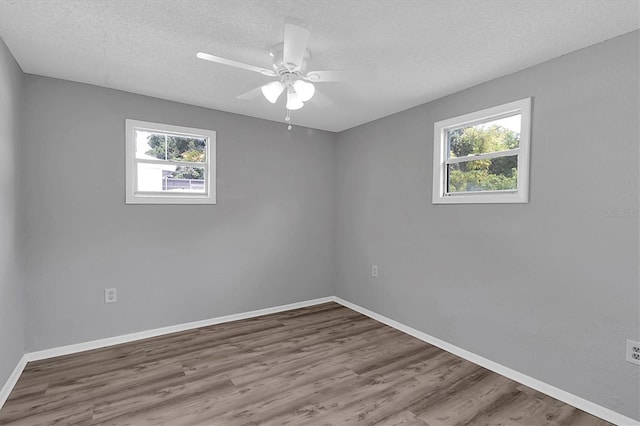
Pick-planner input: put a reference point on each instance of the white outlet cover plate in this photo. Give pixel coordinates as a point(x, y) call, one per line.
point(110, 295)
point(633, 352)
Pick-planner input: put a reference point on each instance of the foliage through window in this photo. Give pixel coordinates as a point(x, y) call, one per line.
point(482, 157)
point(169, 164)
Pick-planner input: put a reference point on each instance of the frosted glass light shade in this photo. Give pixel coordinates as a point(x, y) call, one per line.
point(272, 91)
point(304, 90)
point(293, 101)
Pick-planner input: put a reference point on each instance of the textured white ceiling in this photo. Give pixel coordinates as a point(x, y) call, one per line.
point(423, 49)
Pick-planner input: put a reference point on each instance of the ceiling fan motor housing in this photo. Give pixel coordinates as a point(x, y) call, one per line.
point(277, 58)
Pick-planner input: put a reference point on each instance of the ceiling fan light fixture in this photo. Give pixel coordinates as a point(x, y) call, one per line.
point(272, 91)
point(304, 90)
point(293, 101)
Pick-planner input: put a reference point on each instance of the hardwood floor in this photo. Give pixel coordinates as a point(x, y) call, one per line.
point(322, 365)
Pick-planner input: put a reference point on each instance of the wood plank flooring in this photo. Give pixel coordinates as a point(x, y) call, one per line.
point(322, 365)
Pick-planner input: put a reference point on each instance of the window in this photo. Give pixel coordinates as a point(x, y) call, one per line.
point(169, 164)
point(483, 157)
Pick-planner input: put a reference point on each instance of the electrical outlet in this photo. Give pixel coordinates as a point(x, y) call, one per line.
point(633, 352)
point(110, 295)
point(374, 271)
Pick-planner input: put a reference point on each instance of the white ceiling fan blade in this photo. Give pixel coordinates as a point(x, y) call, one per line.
point(359, 75)
point(253, 93)
point(224, 61)
point(295, 44)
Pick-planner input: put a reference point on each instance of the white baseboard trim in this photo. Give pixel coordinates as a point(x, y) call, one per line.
point(536, 384)
point(126, 338)
point(116, 340)
point(564, 396)
point(12, 380)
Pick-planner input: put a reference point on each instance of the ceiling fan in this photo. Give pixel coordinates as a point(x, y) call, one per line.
point(289, 68)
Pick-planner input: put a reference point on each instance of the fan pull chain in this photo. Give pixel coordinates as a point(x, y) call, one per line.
point(287, 118)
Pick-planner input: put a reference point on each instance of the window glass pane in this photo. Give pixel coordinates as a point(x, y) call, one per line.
point(162, 146)
point(166, 178)
point(492, 136)
point(493, 174)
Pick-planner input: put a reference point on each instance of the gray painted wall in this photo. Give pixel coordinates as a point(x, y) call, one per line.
point(12, 300)
point(267, 242)
point(549, 288)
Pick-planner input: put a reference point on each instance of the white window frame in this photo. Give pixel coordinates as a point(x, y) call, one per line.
point(441, 160)
point(135, 197)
